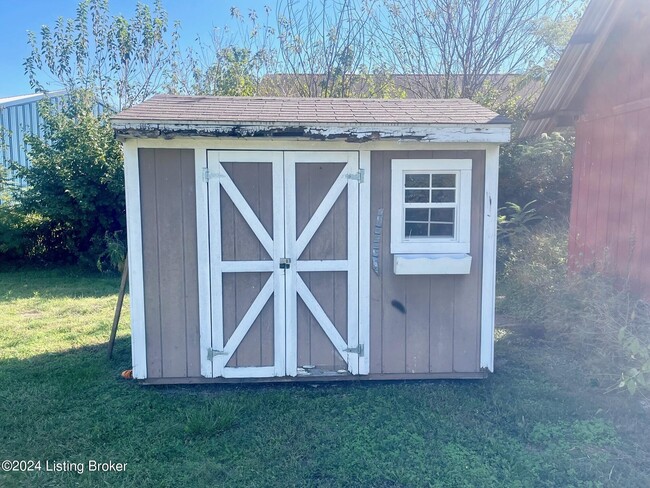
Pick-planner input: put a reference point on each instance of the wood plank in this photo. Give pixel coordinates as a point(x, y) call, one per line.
point(150, 262)
point(490, 211)
point(644, 255)
point(353, 257)
point(171, 263)
point(377, 186)
point(393, 301)
point(135, 255)
point(265, 214)
point(441, 326)
point(365, 232)
point(418, 323)
point(191, 268)
point(467, 301)
point(317, 379)
point(203, 258)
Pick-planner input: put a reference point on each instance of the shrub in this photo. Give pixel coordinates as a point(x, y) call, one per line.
point(75, 181)
point(585, 311)
point(539, 170)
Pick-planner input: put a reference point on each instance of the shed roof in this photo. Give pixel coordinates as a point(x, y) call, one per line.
point(272, 110)
point(355, 120)
point(578, 57)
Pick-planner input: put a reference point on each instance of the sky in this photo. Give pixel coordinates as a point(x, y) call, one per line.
point(197, 18)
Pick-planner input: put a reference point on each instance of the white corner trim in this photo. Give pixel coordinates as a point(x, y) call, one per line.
point(489, 256)
point(203, 257)
point(364, 262)
point(432, 264)
point(136, 272)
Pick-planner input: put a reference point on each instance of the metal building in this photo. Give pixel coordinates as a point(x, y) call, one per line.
point(19, 116)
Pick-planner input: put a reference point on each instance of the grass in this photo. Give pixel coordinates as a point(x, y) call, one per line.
point(538, 421)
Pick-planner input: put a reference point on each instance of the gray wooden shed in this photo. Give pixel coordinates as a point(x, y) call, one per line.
point(297, 238)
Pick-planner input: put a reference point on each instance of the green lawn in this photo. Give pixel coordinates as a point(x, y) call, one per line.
point(537, 422)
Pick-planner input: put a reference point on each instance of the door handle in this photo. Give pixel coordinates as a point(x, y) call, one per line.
point(285, 263)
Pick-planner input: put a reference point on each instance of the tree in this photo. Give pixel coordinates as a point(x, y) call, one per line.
point(75, 180)
point(324, 47)
point(123, 61)
point(453, 47)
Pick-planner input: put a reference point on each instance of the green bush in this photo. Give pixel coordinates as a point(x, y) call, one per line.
point(587, 311)
point(538, 170)
point(75, 182)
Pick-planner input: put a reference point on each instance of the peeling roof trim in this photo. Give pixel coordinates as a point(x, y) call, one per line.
point(497, 133)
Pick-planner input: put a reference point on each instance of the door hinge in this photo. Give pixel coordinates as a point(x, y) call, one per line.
point(207, 175)
point(355, 350)
point(359, 175)
point(212, 353)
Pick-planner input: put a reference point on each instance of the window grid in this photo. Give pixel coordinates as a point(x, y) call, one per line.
point(416, 186)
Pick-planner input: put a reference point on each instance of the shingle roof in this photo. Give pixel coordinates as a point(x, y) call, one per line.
point(298, 111)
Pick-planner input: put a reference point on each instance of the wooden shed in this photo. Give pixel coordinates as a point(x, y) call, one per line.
point(602, 86)
point(298, 238)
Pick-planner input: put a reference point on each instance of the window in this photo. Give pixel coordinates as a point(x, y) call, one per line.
point(431, 204)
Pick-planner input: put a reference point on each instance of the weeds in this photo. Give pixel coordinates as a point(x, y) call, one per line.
point(586, 311)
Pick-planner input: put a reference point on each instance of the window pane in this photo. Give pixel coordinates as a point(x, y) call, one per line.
point(415, 230)
point(442, 215)
point(441, 230)
point(417, 196)
point(443, 181)
point(417, 214)
point(442, 196)
point(417, 181)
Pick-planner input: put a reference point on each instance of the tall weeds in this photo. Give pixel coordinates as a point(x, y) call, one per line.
point(601, 321)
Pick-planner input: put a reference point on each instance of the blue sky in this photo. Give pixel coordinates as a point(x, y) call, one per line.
point(197, 17)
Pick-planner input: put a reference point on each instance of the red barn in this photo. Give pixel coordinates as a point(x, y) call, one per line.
point(602, 85)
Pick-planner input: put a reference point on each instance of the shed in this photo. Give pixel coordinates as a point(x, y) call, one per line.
point(300, 238)
point(602, 86)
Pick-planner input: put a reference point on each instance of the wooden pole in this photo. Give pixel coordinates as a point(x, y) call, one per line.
point(118, 306)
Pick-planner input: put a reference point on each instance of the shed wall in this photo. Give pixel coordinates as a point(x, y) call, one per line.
point(610, 216)
point(168, 209)
point(439, 329)
point(438, 333)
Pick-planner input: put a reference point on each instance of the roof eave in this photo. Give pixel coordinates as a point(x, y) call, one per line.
point(477, 132)
point(572, 68)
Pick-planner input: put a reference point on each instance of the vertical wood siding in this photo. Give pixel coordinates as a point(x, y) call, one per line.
point(438, 328)
point(167, 193)
point(610, 216)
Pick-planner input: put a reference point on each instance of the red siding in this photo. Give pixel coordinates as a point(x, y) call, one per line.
point(610, 218)
point(610, 214)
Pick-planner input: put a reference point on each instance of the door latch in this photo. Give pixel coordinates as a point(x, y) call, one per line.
point(285, 263)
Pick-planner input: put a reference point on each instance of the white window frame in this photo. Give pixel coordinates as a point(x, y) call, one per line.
point(461, 240)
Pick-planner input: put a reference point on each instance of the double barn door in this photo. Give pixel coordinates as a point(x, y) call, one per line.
point(284, 263)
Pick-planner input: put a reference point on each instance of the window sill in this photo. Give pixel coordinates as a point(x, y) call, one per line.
point(431, 264)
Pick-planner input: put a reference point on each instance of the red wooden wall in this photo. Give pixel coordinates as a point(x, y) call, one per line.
point(610, 211)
